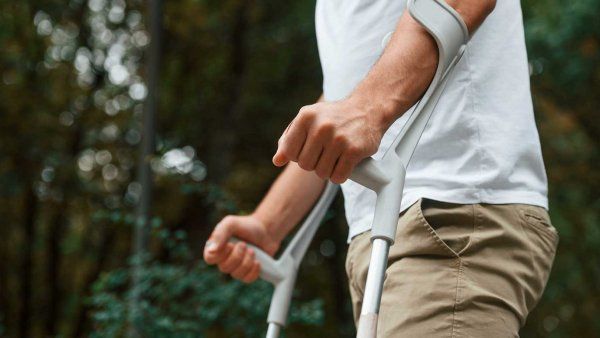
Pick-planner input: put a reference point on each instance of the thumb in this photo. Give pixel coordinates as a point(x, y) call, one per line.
point(220, 235)
point(279, 159)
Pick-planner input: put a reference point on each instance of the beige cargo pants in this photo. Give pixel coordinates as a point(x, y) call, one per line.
point(459, 270)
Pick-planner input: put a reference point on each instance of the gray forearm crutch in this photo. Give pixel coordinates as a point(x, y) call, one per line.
point(385, 177)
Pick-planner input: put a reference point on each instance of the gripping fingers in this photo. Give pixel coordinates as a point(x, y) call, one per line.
point(235, 258)
point(312, 149)
point(290, 144)
point(245, 266)
point(253, 274)
point(217, 256)
point(343, 169)
point(327, 162)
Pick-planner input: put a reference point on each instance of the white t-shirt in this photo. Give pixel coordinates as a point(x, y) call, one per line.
point(481, 144)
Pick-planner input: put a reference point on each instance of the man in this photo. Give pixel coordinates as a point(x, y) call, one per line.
point(474, 245)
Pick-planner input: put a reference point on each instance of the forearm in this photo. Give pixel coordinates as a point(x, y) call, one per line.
point(408, 64)
point(290, 197)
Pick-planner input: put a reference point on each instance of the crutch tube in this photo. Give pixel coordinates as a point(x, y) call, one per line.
point(451, 36)
point(374, 288)
point(273, 330)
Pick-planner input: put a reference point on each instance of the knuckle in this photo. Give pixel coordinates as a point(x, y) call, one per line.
point(246, 265)
point(353, 152)
point(227, 221)
point(325, 128)
point(236, 259)
point(306, 113)
point(341, 140)
point(241, 250)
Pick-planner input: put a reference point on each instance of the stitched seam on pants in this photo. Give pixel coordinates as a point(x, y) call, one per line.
point(457, 299)
point(463, 251)
point(477, 224)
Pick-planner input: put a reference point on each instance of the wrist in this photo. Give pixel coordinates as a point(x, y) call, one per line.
point(269, 226)
point(384, 109)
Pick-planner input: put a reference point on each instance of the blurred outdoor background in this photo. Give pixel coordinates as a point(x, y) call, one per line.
point(77, 78)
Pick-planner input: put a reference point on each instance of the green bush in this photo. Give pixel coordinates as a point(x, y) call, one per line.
point(180, 298)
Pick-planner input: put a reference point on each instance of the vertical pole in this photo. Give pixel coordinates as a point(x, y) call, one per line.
point(147, 148)
point(273, 331)
point(367, 324)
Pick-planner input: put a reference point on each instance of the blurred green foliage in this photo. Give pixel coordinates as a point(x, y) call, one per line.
point(233, 74)
point(563, 42)
point(183, 298)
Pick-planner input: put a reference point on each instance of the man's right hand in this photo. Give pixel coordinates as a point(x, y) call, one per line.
point(237, 259)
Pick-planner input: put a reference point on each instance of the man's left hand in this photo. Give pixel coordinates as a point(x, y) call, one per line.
point(331, 138)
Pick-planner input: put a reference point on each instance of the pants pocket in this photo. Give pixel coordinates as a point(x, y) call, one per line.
point(538, 227)
point(452, 225)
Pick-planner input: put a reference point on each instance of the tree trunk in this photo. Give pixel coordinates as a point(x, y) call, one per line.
point(30, 208)
point(82, 318)
point(225, 138)
point(147, 150)
point(55, 234)
point(4, 266)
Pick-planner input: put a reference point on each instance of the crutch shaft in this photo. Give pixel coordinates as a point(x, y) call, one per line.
point(367, 325)
point(375, 276)
point(273, 330)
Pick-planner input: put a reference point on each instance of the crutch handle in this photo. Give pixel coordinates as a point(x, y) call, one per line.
point(281, 272)
point(270, 269)
point(386, 178)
